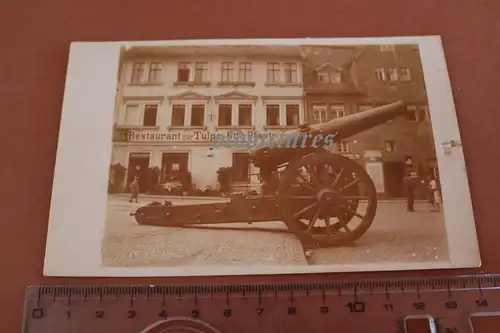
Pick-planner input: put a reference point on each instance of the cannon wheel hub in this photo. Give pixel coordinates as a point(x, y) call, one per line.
point(327, 197)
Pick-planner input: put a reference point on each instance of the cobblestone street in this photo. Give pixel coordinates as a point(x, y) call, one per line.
point(395, 236)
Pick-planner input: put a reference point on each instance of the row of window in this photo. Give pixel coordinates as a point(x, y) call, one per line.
point(393, 74)
point(389, 146)
point(231, 72)
point(381, 74)
point(241, 73)
point(236, 114)
point(193, 115)
point(322, 112)
point(326, 112)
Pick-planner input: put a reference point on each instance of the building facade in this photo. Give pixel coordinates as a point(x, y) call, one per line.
point(346, 80)
point(171, 102)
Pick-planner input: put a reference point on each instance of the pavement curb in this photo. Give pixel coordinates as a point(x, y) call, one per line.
point(166, 197)
point(179, 197)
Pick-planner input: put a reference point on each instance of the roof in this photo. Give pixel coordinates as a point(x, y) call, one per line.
point(339, 59)
point(313, 56)
point(215, 50)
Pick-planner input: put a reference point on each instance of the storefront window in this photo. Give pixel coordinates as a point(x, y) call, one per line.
point(174, 167)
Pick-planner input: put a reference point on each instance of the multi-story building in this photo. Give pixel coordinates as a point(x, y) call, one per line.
point(172, 101)
point(344, 80)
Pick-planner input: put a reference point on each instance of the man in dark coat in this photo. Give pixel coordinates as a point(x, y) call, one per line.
point(409, 188)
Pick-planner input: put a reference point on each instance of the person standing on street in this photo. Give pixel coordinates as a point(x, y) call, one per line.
point(409, 193)
point(435, 193)
point(134, 189)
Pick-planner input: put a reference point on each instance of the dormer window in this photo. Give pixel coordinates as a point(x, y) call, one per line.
point(323, 77)
point(335, 77)
point(329, 77)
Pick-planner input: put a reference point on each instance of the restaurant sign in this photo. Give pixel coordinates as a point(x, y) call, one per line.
point(127, 135)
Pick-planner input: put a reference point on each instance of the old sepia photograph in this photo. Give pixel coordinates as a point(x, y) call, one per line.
point(252, 157)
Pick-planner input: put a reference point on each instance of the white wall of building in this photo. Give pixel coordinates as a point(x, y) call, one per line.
point(165, 92)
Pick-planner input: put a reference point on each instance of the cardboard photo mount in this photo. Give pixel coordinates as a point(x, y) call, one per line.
point(79, 199)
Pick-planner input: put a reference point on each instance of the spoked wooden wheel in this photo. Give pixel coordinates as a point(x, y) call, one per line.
point(327, 199)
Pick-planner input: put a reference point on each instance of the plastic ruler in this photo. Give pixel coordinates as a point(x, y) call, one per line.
point(375, 305)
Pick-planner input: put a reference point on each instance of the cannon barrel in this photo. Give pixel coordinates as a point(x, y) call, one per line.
point(287, 145)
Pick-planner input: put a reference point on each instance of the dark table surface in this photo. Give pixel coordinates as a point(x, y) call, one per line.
point(35, 37)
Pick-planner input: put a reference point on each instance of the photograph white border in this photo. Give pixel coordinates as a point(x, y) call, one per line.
point(79, 196)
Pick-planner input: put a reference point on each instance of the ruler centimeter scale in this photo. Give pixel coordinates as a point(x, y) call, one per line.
point(374, 305)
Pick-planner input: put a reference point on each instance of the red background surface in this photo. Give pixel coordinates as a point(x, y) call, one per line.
point(35, 37)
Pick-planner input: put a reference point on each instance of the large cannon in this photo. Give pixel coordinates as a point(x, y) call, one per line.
point(319, 195)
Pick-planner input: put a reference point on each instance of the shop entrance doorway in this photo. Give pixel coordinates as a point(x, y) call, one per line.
point(394, 173)
point(138, 166)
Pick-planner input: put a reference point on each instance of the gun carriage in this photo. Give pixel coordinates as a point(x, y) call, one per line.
point(318, 195)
